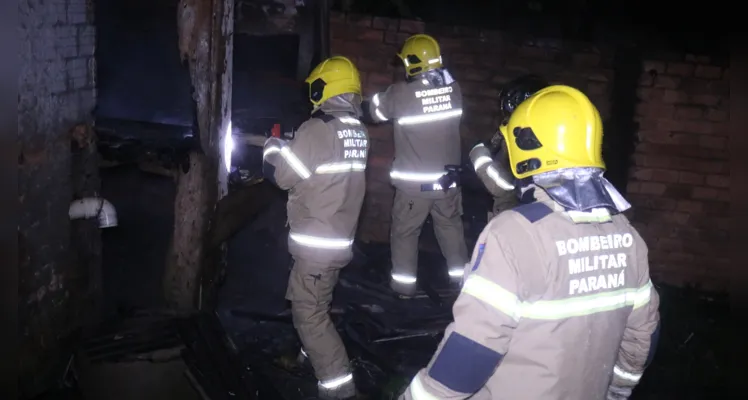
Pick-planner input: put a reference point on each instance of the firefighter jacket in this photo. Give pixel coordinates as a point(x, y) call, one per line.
point(323, 170)
point(554, 305)
point(495, 176)
point(426, 118)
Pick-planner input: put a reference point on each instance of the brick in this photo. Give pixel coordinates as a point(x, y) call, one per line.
point(536, 53)
point(716, 115)
point(585, 60)
point(667, 81)
point(704, 100)
point(650, 94)
point(360, 20)
point(650, 66)
point(376, 78)
point(688, 112)
point(385, 24)
point(363, 34)
point(705, 86)
point(691, 178)
point(695, 58)
point(395, 38)
point(646, 79)
point(596, 88)
point(680, 69)
point(720, 181)
point(674, 97)
point(655, 110)
point(466, 31)
point(651, 188)
point(708, 72)
point(410, 26)
point(704, 193)
point(339, 31)
point(689, 206)
point(601, 75)
point(473, 74)
point(677, 191)
point(712, 142)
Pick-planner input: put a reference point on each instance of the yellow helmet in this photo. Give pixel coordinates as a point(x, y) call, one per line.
point(420, 53)
point(335, 76)
point(558, 127)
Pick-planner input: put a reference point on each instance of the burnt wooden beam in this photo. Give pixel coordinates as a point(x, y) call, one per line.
point(237, 208)
point(206, 46)
point(305, 27)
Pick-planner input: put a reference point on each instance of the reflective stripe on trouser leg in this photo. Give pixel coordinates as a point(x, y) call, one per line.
point(310, 289)
point(447, 216)
point(408, 215)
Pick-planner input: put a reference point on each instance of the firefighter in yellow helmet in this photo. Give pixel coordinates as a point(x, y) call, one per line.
point(490, 159)
point(557, 301)
point(322, 168)
point(425, 110)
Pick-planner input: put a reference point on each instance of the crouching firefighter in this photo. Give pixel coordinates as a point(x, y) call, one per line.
point(323, 170)
point(557, 301)
point(426, 110)
point(490, 159)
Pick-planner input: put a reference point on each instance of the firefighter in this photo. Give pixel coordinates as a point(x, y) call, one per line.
point(557, 301)
point(490, 159)
point(426, 110)
point(322, 168)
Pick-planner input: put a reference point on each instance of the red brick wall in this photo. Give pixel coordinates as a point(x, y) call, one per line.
point(680, 175)
point(680, 168)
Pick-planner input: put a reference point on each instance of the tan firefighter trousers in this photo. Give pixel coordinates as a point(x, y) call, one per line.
point(310, 288)
point(409, 212)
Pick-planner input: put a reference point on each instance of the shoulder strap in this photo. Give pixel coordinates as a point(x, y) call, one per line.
point(533, 212)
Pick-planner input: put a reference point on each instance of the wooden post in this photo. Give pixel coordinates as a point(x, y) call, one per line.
point(206, 44)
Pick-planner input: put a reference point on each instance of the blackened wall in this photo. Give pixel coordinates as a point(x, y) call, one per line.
point(56, 92)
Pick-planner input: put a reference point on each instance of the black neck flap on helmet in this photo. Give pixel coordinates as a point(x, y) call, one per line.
point(517, 91)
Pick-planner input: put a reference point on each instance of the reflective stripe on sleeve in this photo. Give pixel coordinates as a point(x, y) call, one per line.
point(494, 175)
point(425, 118)
point(457, 272)
point(290, 158)
point(481, 161)
point(377, 112)
point(508, 303)
point(493, 295)
point(333, 168)
point(320, 242)
point(404, 278)
point(626, 375)
point(336, 382)
point(418, 392)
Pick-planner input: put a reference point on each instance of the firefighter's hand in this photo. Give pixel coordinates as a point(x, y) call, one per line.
point(618, 393)
point(496, 142)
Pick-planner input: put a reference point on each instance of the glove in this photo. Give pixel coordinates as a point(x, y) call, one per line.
point(452, 176)
point(496, 142)
point(618, 393)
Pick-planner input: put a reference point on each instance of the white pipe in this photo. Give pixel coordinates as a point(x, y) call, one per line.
point(90, 207)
